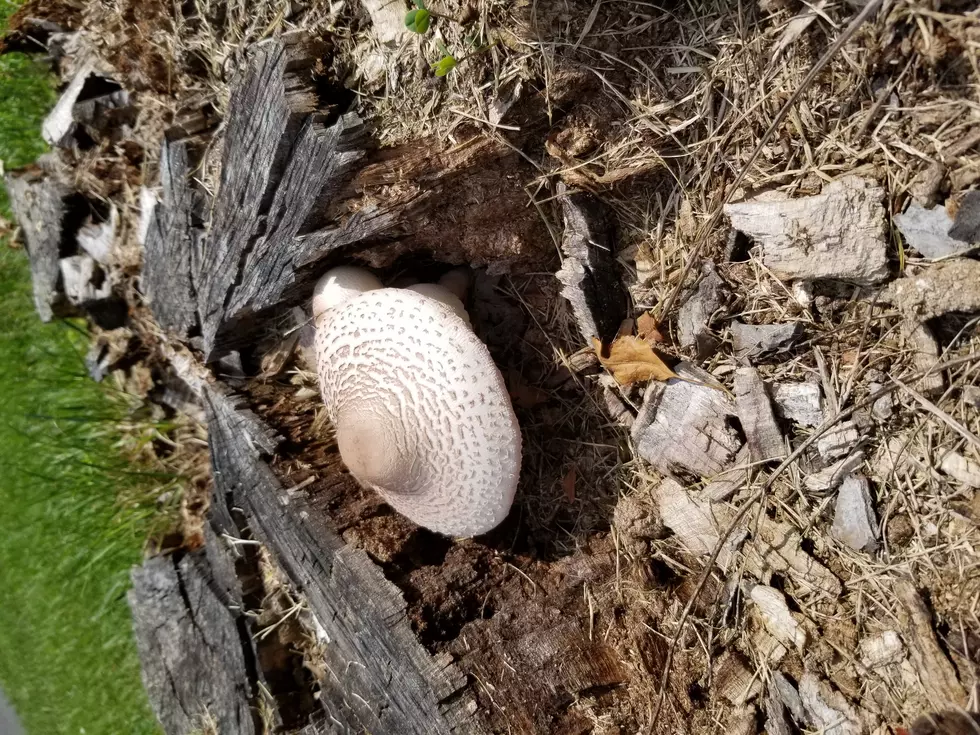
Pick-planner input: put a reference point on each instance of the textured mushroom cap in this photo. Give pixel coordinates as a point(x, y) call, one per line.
point(341, 284)
point(422, 413)
point(443, 295)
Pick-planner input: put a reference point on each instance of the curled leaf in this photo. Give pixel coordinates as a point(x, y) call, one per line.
point(646, 328)
point(632, 360)
point(445, 65)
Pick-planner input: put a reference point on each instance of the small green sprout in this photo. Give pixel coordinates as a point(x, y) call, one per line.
point(445, 65)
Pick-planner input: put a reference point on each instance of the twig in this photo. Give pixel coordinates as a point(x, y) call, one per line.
point(758, 495)
point(715, 218)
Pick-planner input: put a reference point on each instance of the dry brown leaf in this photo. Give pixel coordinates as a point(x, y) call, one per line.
point(646, 329)
point(632, 360)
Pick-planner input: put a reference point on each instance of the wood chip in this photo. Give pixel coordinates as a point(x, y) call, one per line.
point(927, 230)
point(697, 524)
point(589, 274)
point(755, 340)
point(936, 672)
point(683, 426)
point(827, 709)
point(777, 616)
point(880, 650)
point(734, 680)
point(838, 441)
point(696, 313)
point(854, 515)
point(97, 238)
point(722, 486)
point(918, 339)
point(828, 479)
point(837, 234)
point(953, 285)
point(777, 549)
point(962, 469)
point(799, 402)
point(764, 439)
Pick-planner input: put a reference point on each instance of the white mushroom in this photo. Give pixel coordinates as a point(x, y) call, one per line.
point(422, 414)
point(341, 284)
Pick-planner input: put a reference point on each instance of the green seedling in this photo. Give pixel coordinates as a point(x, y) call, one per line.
point(418, 19)
point(445, 65)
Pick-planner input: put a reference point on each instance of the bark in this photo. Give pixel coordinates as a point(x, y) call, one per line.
point(172, 240)
point(379, 678)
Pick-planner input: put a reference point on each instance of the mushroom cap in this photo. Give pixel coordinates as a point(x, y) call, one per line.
point(421, 411)
point(341, 284)
point(443, 295)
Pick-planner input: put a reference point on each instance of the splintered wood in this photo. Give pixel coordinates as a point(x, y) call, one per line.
point(698, 524)
point(839, 233)
point(683, 427)
point(589, 275)
point(762, 433)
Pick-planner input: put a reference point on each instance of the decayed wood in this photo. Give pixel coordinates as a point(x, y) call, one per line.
point(762, 433)
point(40, 204)
point(197, 659)
point(929, 659)
point(97, 238)
point(289, 199)
point(682, 426)
point(277, 168)
point(854, 515)
point(591, 282)
point(172, 239)
point(697, 311)
point(777, 548)
point(379, 678)
point(839, 233)
point(697, 523)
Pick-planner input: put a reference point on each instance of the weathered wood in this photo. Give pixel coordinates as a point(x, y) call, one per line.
point(289, 199)
point(697, 311)
point(277, 169)
point(929, 659)
point(839, 233)
point(752, 340)
point(97, 238)
point(40, 204)
point(855, 523)
point(589, 276)
point(682, 426)
point(172, 240)
point(197, 660)
point(379, 678)
point(762, 433)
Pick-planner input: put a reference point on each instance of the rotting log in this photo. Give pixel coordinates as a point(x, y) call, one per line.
point(298, 189)
point(379, 677)
point(198, 659)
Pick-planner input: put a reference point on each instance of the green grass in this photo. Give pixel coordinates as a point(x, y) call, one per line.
point(67, 657)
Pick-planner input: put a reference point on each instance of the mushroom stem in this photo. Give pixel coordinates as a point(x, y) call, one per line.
point(458, 282)
point(341, 284)
point(443, 295)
